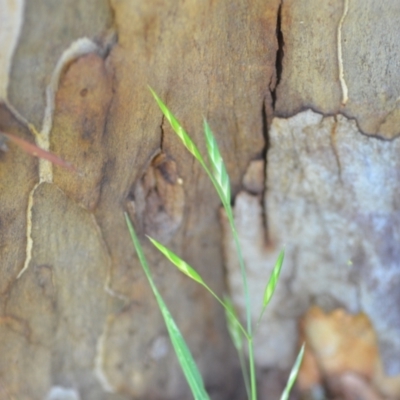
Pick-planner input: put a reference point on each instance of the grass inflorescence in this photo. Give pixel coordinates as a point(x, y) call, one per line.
point(240, 335)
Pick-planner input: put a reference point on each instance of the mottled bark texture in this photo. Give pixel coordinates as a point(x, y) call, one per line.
point(77, 317)
point(331, 188)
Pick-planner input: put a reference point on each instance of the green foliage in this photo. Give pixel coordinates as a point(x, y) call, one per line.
point(217, 166)
point(235, 332)
point(183, 266)
point(220, 179)
point(177, 127)
point(273, 280)
point(189, 271)
point(293, 374)
point(185, 358)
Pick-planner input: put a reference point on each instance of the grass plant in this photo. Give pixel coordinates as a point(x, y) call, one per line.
point(241, 335)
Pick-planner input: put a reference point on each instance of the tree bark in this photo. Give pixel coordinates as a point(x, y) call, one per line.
point(330, 194)
point(77, 316)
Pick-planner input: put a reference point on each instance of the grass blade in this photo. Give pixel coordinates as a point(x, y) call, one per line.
point(217, 164)
point(227, 206)
point(220, 179)
point(222, 185)
point(293, 374)
point(188, 143)
point(182, 351)
point(177, 127)
point(182, 265)
point(235, 332)
point(233, 327)
point(189, 271)
point(273, 280)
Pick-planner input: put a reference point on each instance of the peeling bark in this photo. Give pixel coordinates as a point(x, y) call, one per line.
point(78, 318)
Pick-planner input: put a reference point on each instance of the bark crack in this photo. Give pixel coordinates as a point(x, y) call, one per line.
point(162, 133)
point(333, 138)
point(265, 159)
point(279, 55)
point(264, 111)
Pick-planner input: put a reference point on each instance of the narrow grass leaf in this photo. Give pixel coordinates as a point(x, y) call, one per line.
point(233, 325)
point(293, 374)
point(182, 351)
point(220, 179)
point(177, 127)
point(273, 280)
point(217, 164)
point(236, 334)
point(222, 187)
point(182, 265)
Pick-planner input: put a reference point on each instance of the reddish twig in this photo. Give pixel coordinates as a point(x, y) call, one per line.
point(38, 152)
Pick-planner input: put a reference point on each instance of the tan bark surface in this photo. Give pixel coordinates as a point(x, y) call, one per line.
point(342, 56)
point(331, 190)
point(77, 316)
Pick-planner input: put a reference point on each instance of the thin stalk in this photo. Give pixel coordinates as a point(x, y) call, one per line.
point(228, 210)
point(245, 373)
point(190, 272)
point(221, 184)
point(249, 334)
point(243, 272)
point(253, 384)
point(245, 333)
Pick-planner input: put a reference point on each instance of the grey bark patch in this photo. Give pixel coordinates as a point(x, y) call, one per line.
point(332, 201)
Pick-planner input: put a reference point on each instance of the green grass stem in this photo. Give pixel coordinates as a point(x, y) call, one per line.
point(220, 180)
point(189, 271)
point(219, 177)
